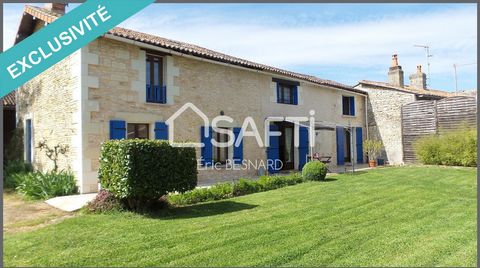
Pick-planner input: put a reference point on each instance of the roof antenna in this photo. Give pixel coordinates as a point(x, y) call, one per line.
point(428, 56)
point(455, 66)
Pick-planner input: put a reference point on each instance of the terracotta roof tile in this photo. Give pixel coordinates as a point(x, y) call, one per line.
point(9, 100)
point(195, 50)
point(409, 89)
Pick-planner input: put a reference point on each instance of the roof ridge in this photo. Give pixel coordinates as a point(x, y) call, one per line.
point(203, 52)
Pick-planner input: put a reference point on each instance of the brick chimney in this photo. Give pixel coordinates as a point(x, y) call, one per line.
point(56, 7)
point(395, 73)
point(418, 80)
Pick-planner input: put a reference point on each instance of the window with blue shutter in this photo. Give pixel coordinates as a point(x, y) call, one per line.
point(287, 91)
point(156, 90)
point(359, 141)
point(303, 147)
point(118, 129)
point(161, 131)
point(348, 105)
point(340, 146)
point(273, 152)
point(237, 151)
point(207, 149)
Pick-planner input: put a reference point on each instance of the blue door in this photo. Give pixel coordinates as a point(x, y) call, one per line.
point(359, 141)
point(273, 152)
point(340, 146)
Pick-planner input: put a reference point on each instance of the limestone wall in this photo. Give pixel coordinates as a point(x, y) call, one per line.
point(384, 120)
point(51, 101)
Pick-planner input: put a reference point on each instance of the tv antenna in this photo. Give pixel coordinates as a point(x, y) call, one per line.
point(455, 66)
point(428, 56)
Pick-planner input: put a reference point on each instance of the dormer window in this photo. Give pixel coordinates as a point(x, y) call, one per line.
point(156, 90)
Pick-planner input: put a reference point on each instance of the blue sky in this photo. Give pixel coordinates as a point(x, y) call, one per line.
point(342, 42)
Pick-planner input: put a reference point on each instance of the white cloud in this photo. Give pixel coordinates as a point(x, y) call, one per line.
point(451, 35)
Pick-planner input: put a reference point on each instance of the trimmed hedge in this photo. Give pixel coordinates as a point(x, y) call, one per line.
point(457, 148)
point(227, 190)
point(139, 171)
point(314, 171)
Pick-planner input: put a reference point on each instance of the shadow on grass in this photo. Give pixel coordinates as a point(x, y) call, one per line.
point(199, 210)
point(329, 180)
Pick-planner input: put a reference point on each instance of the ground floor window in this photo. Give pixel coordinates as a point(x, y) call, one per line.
point(220, 154)
point(137, 131)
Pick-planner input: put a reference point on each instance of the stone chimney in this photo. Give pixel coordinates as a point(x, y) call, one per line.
point(395, 73)
point(56, 7)
point(419, 79)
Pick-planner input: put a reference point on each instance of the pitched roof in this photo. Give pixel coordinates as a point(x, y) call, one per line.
point(9, 100)
point(409, 89)
point(194, 50)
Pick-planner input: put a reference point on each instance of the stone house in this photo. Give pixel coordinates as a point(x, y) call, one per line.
point(385, 101)
point(127, 84)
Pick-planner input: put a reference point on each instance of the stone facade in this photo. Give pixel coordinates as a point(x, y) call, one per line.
point(51, 101)
point(385, 120)
point(112, 87)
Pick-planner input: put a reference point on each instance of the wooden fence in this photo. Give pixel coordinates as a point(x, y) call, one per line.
point(425, 117)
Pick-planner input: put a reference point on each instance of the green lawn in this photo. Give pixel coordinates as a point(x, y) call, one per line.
point(385, 217)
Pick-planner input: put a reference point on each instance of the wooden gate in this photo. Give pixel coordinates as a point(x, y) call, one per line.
point(423, 118)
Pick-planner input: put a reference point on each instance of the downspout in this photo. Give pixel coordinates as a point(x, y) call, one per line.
point(366, 117)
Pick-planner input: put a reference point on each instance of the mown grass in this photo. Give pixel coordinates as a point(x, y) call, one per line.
point(385, 217)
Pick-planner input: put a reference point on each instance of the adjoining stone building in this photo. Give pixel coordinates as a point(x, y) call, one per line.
point(126, 84)
point(385, 101)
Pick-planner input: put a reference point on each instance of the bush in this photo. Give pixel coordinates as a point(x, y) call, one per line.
point(314, 171)
point(227, 190)
point(139, 171)
point(14, 167)
point(37, 185)
point(277, 181)
point(216, 192)
point(457, 148)
point(104, 202)
point(245, 186)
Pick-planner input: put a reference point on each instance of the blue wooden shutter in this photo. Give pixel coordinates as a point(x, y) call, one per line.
point(295, 95)
point(273, 152)
point(340, 146)
point(303, 147)
point(207, 150)
point(359, 141)
point(237, 151)
point(28, 139)
point(118, 129)
point(352, 105)
point(161, 131)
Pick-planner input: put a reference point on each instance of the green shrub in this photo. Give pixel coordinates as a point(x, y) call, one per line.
point(245, 186)
point(104, 202)
point(278, 181)
point(216, 192)
point(227, 190)
point(314, 171)
point(37, 185)
point(139, 171)
point(456, 148)
point(14, 167)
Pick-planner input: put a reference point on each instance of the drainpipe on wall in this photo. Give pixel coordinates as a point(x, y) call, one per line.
point(366, 117)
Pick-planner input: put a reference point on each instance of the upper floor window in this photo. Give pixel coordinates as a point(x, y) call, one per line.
point(156, 91)
point(287, 92)
point(137, 131)
point(348, 105)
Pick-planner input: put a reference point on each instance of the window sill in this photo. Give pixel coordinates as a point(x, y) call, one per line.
point(349, 116)
point(158, 104)
point(287, 103)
